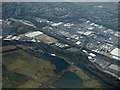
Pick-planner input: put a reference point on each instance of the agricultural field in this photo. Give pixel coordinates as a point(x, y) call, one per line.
point(35, 72)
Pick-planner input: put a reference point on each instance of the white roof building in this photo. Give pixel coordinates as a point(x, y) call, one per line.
point(33, 40)
point(0, 37)
point(87, 21)
point(91, 28)
point(114, 67)
point(84, 51)
point(68, 24)
point(77, 38)
point(66, 45)
point(109, 44)
point(74, 36)
point(17, 38)
point(53, 55)
point(117, 34)
point(81, 37)
point(13, 37)
point(115, 51)
point(93, 55)
point(78, 42)
point(92, 24)
point(80, 32)
point(100, 27)
point(0, 20)
point(96, 25)
point(9, 36)
point(56, 24)
point(33, 34)
point(116, 57)
point(95, 50)
point(8, 39)
point(89, 57)
point(87, 33)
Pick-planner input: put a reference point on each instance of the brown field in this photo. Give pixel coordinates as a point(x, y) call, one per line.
point(47, 39)
point(5, 48)
point(26, 47)
point(30, 84)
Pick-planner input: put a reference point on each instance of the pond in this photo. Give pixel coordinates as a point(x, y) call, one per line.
point(60, 64)
point(69, 80)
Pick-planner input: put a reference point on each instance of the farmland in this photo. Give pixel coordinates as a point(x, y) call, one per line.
point(36, 70)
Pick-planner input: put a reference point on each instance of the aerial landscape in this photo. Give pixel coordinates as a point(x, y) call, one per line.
point(60, 45)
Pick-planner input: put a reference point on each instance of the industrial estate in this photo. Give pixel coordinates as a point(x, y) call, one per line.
point(67, 50)
point(101, 40)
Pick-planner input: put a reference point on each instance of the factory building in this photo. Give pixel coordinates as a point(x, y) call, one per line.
point(115, 52)
point(33, 34)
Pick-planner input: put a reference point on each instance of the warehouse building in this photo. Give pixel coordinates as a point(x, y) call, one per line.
point(115, 52)
point(33, 34)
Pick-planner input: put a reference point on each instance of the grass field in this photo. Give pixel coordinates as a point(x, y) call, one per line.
point(38, 71)
point(5, 48)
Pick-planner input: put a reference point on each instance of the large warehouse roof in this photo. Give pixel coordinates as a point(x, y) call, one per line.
point(114, 67)
point(115, 51)
point(33, 34)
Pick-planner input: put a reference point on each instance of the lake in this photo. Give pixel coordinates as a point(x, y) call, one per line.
point(60, 64)
point(69, 80)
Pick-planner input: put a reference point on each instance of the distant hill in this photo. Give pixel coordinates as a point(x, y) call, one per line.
point(102, 13)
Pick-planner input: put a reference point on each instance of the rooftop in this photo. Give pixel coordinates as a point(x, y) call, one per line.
point(0, 37)
point(33, 34)
point(78, 42)
point(91, 54)
point(87, 33)
point(91, 28)
point(114, 67)
point(56, 24)
point(115, 51)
